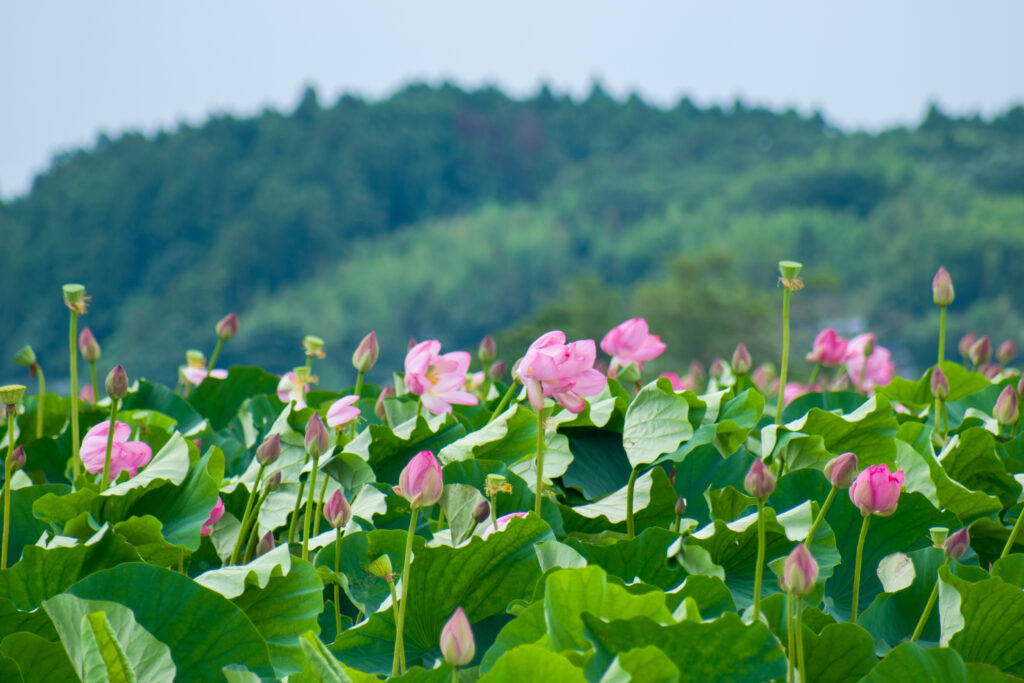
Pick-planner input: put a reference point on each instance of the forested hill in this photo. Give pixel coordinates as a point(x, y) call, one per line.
point(449, 213)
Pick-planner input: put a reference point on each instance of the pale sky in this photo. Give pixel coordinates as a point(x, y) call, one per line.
point(69, 70)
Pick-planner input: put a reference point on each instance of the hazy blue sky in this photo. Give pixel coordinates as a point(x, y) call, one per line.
point(69, 70)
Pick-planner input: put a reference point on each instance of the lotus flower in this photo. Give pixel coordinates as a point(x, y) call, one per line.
point(421, 481)
point(957, 544)
point(196, 375)
point(759, 482)
point(124, 454)
point(294, 387)
point(841, 471)
point(877, 366)
point(829, 348)
point(631, 342)
point(438, 379)
point(876, 490)
point(562, 371)
point(683, 383)
point(342, 411)
point(942, 288)
point(215, 514)
point(502, 523)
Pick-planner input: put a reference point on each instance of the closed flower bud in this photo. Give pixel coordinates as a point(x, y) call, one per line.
point(842, 470)
point(1007, 409)
point(940, 384)
point(227, 327)
point(269, 450)
point(421, 481)
point(990, 370)
point(957, 544)
point(741, 360)
point(412, 343)
point(800, 571)
point(274, 482)
point(759, 482)
point(763, 376)
point(365, 355)
point(117, 383)
point(488, 349)
point(697, 372)
point(337, 510)
point(75, 298)
point(942, 288)
point(1006, 352)
point(981, 351)
point(497, 370)
point(378, 407)
point(381, 568)
point(628, 373)
point(680, 506)
point(317, 438)
point(313, 346)
point(10, 395)
point(1020, 386)
point(25, 357)
point(457, 644)
point(481, 512)
point(717, 368)
point(876, 490)
point(965, 344)
point(266, 544)
point(88, 346)
point(17, 459)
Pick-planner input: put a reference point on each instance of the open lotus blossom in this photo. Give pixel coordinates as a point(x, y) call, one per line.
point(342, 411)
point(562, 371)
point(124, 454)
point(631, 342)
point(292, 387)
point(877, 368)
point(196, 375)
point(421, 482)
point(438, 379)
point(876, 490)
point(829, 348)
point(502, 523)
point(215, 514)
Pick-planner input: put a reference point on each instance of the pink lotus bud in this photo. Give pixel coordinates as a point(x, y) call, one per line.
point(680, 506)
point(842, 470)
point(697, 372)
point(337, 510)
point(741, 360)
point(342, 412)
point(269, 450)
point(215, 514)
point(829, 348)
point(940, 384)
point(800, 571)
point(317, 438)
point(457, 643)
point(488, 349)
point(227, 327)
point(965, 344)
point(117, 383)
point(717, 368)
point(266, 544)
point(990, 370)
point(942, 288)
point(762, 377)
point(981, 351)
point(274, 482)
point(759, 482)
point(1007, 409)
point(421, 481)
point(88, 346)
point(378, 407)
point(1007, 352)
point(957, 544)
point(876, 490)
point(412, 343)
point(87, 394)
point(1020, 386)
point(497, 370)
point(365, 355)
point(17, 459)
point(481, 512)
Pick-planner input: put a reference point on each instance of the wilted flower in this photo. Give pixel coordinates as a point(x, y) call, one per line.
point(957, 544)
point(337, 510)
point(457, 644)
point(88, 346)
point(1007, 408)
point(381, 568)
point(421, 482)
point(864, 357)
point(227, 327)
point(343, 411)
point(438, 379)
point(562, 371)
point(829, 348)
point(365, 355)
point(939, 384)
point(759, 482)
point(842, 470)
point(942, 288)
point(741, 360)
point(876, 490)
point(124, 454)
point(800, 571)
point(631, 342)
point(294, 386)
point(215, 514)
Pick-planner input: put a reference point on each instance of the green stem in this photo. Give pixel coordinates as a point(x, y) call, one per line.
point(540, 461)
point(503, 403)
point(105, 478)
point(785, 354)
point(630, 528)
point(856, 569)
point(359, 384)
point(860, 375)
point(455, 674)
point(928, 606)
point(1013, 535)
point(95, 382)
point(821, 515)
point(801, 667)
point(298, 504)
point(394, 609)
point(319, 508)
point(494, 512)
point(309, 362)
point(399, 661)
point(7, 489)
point(181, 561)
point(309, 509)
point(75, 458)
point(42, 398)
point(759, 567)
point(254, 532)
point(337, 593)
point(213, 358)
point(790, 636)
point(939, 409)
point(942, 332)
point(486, 386)
point(246, 517)
point(814, 374)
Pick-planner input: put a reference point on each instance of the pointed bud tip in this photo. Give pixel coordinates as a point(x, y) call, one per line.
point(488, 349)
point(942, 288)
point(227, 327)
point(759, 482)
point(841, 470)
point(117, 383)
point(741, 360)
point(366, 354)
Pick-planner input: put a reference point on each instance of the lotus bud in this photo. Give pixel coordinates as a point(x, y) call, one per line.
point(75, 298)
point(378, 407)
point(274, 482)
point(697, 373)
point(313, 346)
point(488, 349)
point(317, 438)
point(940, 384)
point(421, 481)
point(1020, 386)
point(741, 360)
point(1006, 352)
point(957, 544)
point(628, 373)
point(227, 327)
point(680, 507)
point(17, 459)
point(481, 512)
point(876, 490)
point(942, 288)
point(759, 482)
point(381, 568)
point(938, 535)
point(266, 544)
point(1007, 409)
point(269, 450)
point(117, 383)
point(88, 346)
point(717, 369)
point(25, 357)
point(365, 355)
point(981, 351)
point(965, 344)
point(842, 470)
point(497, 370)
point(457, 643)
point(10, 396)
point(337, 510)
point(412, 343)
point(990, 370)
point(763, 376)
point(87, 394)
point(800, 571)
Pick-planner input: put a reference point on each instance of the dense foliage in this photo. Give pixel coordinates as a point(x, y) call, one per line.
point(392, 214)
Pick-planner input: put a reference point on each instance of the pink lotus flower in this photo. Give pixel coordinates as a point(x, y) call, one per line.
point(292, 387)
point(684, 383)
point(502, 523)
point(87, 394)
point(829, 348)
point(215, 514)
point(457, 644)
point(876, 490)
point(878, 368)
point(196, 375)
point(562, 371)
point(631, 342)
point(421, 482)
point(438, 379)
point(795, 390)
point(342, 411)
point(124, 454)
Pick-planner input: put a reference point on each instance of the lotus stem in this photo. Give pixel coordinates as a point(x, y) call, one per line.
point(398, 666)
point(309, 509)
point(821, 515)
point(540, 460)
point(630, 487)
point(503, 403)
point(855, 603)
point(42, 398)
point(759, 567)
point(105, 478)
point(247, 517)
point(337, 592)
point(1013, 536)
point(928, 605)
point(7, 490)
point(75, 458)
point(785, 354)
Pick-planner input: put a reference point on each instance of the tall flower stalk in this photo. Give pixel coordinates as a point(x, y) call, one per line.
point(266, 454)
point(317, 440)
point(798, 578)
point(875, 491)
point(26, 358)
point(117, 388)
point(841, 472)
point(955, 547)
point(759, 483)
point(77, 302)
point(226, 328)
point(10, 397)
point(791, 282)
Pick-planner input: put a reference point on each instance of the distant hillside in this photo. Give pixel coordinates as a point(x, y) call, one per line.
point(440, 212)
